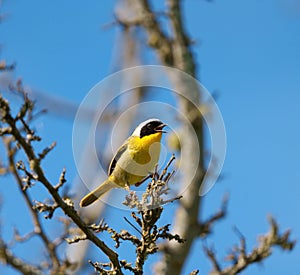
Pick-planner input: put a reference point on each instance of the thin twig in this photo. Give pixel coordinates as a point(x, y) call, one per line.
point(139, 231)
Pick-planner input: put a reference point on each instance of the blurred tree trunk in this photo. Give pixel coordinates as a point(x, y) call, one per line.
point(175, 51)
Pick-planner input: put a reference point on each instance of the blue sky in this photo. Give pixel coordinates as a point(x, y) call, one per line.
point(248, 52)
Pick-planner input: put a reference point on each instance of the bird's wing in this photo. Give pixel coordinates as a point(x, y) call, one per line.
point(116, 157)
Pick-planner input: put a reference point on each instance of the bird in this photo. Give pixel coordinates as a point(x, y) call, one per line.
point(133, 161)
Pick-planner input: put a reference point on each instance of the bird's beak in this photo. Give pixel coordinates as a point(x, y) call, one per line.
point(160, 127)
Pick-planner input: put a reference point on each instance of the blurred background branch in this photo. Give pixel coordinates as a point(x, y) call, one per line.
point(241, 258)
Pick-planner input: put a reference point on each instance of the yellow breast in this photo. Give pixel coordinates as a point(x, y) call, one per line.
point(146, 149)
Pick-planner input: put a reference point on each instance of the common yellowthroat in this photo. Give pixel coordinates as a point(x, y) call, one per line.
point(133, 161)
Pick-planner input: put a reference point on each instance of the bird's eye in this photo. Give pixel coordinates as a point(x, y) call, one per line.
point(149, 126)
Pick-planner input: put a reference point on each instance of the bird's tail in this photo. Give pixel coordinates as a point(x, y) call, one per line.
point(97, 193)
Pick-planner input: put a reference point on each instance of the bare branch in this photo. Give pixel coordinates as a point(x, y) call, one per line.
point(241, 259)
point(6, 257)
point(43, 154)
point(34, 161)
point(205, 227)
point(211, 255)
point(62, 179)
point(39, 229)
point(76, 239)
point(26, 237)
point(100, 267)
point(44, 207)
